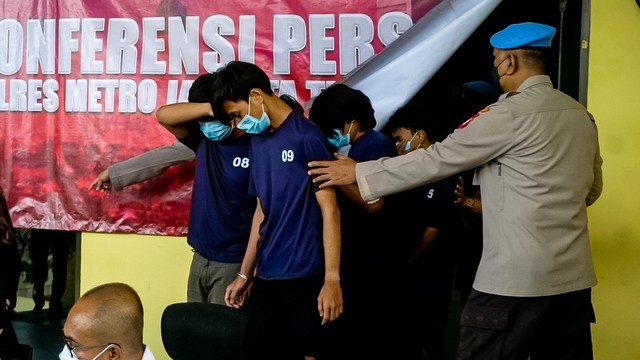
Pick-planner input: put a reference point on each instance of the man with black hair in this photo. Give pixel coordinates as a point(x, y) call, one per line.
point(221, 209)
point(371, 252)
point(293, 256)
point(428, 220)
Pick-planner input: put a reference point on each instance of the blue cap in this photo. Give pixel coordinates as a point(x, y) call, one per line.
point(482, 89)
point(521, 35)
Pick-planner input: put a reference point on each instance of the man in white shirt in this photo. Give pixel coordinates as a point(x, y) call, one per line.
point(106, 323)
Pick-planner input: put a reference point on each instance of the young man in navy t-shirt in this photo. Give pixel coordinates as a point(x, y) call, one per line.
point(221, 208)
point(428, 222)
point(293, 256)
point(371, 266)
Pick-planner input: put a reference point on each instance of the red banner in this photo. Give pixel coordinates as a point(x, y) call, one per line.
point(80, 83)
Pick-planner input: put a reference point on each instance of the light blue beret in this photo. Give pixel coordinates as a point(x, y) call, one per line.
point(482, 89)
point(527, 34)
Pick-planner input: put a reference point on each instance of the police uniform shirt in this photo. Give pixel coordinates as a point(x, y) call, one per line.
point(541, 167)
point(368, 239)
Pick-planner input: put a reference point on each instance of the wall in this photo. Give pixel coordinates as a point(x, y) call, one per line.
point(614, 76)
point(155, 266)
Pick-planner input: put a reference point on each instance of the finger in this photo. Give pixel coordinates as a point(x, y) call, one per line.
point(320, 308)
point(325, 316)
point(329, 315)
point(326, 184)
point(340, 156)
point(228, 297)
point(321, 177)
point(318, 163)
point(317, 171)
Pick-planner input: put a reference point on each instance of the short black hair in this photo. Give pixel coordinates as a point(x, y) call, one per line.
point(537, 57)
point(200, 91)
point(234, 82)
point(340, 104)
point(292, 102)
point(413, 117)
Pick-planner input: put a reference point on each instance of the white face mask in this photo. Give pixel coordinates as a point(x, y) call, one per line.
point(65, 354)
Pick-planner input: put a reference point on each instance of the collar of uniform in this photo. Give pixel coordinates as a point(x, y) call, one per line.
point(531, 81)
point(534, 80)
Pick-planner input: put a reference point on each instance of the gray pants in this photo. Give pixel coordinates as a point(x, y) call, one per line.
point(558, 327)
point(208, 279)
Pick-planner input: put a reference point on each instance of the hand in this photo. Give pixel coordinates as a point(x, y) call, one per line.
point(237, 292)
point(102, 182)
point(341, 171)
point(473, 203)
point(459, 191)
point(330, 301)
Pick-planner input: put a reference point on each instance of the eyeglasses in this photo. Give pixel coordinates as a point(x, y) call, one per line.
point(73, 348)
point(501, 61)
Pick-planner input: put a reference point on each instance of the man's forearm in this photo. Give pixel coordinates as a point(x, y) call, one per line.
point(148, 165)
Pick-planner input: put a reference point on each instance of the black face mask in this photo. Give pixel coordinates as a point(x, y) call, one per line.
point(495, 78)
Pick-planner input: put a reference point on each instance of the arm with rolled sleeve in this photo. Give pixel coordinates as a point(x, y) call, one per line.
point(148, 165)
point(483, 139)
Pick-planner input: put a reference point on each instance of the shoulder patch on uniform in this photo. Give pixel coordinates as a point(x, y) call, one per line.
point(464, 124)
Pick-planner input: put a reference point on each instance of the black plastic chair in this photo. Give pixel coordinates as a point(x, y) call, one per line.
point(203, 331)
point(20, 352)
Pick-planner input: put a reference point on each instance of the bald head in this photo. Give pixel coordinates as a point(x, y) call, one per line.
point(109, 313)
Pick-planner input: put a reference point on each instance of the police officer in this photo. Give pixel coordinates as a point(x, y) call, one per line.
point(539, 167)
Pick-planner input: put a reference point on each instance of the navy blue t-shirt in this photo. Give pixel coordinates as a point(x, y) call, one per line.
point(291, 243)
point(221, 207)
point(432, 205)
point(368, 241)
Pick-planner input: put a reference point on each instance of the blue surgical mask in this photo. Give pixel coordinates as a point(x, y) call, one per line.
point(252, 125)
point(215, 130)
point(338, 140)
point(407, 146)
